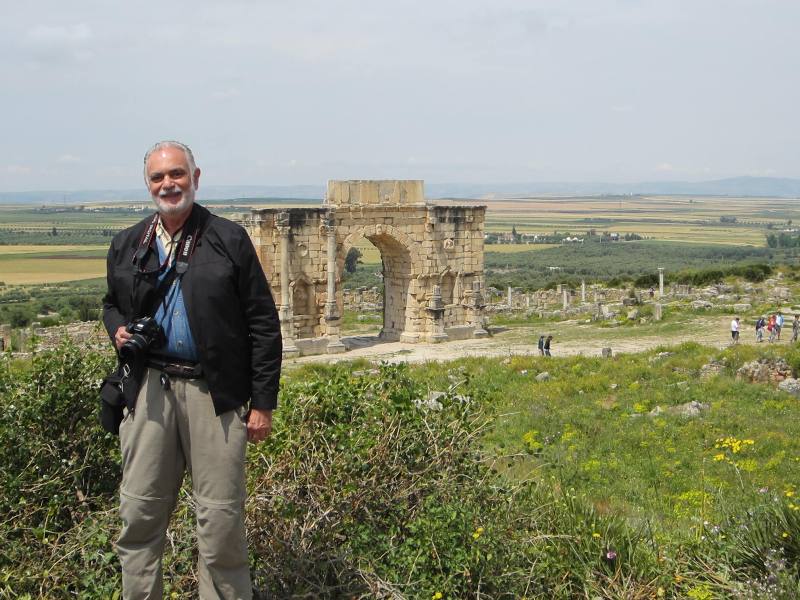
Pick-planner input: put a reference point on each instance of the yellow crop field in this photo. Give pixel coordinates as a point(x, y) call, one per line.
point(38, 270)
point(698, 219)
point(31, 249)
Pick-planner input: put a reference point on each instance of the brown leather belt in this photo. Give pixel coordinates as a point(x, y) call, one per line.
point(175, 367)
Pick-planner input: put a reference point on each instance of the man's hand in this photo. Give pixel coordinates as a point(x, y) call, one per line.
point(121, 336)
point(259, 425)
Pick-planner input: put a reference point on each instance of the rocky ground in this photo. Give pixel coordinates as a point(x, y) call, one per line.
point(570, 338)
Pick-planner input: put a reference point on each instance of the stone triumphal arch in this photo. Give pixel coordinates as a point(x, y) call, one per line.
point(432, 263)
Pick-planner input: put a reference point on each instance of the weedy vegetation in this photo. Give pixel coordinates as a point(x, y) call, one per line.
point(457, 480)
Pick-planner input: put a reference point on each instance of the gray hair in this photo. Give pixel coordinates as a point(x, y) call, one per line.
point(187, 152)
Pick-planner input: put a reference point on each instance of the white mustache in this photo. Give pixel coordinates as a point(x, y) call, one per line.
point(166, 192)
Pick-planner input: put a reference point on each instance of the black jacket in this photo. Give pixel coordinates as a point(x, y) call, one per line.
point(231, 312)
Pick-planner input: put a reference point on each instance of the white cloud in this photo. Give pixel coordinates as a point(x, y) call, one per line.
point(68, 159)
point(18, 170)
point(665, 166)
point(228, 94)
point(60, 35)
point(59, 43)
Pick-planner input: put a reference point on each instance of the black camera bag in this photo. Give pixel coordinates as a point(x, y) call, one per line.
point(112, 401)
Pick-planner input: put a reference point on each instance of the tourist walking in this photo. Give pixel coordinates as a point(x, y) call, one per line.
point(541, 345)
point(778, 325)
point(771, 328)
point(735, 331)
point(761, 323)
point(547, 345)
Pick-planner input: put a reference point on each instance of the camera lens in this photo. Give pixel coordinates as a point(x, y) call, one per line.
point(131, 349)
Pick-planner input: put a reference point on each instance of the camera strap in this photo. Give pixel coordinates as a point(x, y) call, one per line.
point(167, 272)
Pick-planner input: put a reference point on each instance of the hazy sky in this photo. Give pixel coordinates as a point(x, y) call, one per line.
point(286, 92)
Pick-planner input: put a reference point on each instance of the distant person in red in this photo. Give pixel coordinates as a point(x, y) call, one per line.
point(771, 328)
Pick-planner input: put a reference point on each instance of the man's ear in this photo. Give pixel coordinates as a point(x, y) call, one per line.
point(196, 178)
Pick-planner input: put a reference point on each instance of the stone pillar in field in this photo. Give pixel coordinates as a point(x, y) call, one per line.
point(331, 315)
point(285, 311)
point(583, 291)
point(476, 308)
point(660, 282)
point(435, 309)
point(657, 312)
point(565, 298)
point(510, 301)
point(5, 336)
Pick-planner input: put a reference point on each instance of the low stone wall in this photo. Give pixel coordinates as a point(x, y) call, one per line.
point(90, 334)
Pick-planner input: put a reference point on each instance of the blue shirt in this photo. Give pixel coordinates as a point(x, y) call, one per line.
point(172, 317)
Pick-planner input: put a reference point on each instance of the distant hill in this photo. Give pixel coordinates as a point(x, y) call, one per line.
point(736, 186)
point(219, 192)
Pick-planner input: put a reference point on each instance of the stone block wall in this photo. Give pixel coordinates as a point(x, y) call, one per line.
point(432, 257)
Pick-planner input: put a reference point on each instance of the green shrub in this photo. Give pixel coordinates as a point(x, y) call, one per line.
point(59, 467)
point(371, 487)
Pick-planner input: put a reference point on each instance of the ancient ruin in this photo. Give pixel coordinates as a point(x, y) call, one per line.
point(432, 263)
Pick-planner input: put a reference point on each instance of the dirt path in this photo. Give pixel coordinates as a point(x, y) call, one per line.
point(578, 339)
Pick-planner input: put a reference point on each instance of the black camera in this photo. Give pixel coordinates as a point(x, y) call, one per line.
point(147, 333)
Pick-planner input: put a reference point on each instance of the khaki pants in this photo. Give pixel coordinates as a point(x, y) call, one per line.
point(169, 432)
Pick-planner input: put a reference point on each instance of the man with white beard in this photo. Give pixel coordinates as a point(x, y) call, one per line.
point(189, 311)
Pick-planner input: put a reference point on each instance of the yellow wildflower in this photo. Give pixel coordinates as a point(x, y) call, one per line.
point(595, 535)
point(719, 457)
point(785, 534)
point(436, 596)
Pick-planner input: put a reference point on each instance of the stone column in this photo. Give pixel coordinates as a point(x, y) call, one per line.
point(435, 309)
point(476, 307)
point(660, 282)
point(565, 298)
point(457, 291)
point(583, 291)
point(510, 301)
point(657, 311)
point(285, 312)
point(332, 317)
